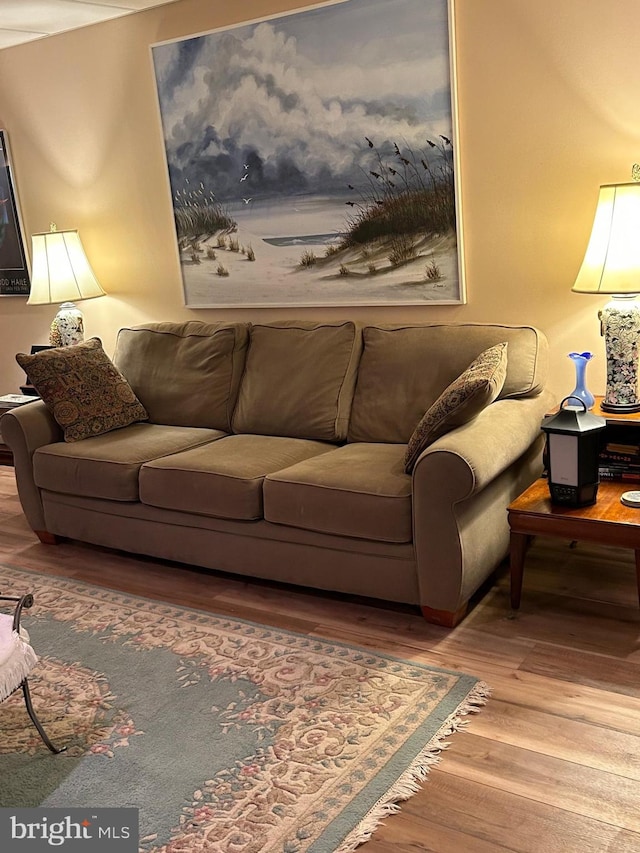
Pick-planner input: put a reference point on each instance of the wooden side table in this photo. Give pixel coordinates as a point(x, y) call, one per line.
point(607, 522)
point(612, 417)
point(6, 404)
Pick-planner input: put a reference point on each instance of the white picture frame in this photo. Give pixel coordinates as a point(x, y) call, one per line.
point(312, 157)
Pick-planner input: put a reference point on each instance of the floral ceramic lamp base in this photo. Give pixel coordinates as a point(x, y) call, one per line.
point(67, 327)
point(620, 320)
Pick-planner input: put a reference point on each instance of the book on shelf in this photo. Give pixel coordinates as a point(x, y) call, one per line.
point(607, 458)
point(620, 447)
point(620, 474)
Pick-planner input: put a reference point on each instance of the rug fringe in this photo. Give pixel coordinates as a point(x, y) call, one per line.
point(411, 780)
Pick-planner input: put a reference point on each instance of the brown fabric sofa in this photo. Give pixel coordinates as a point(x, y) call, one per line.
point(277, 451)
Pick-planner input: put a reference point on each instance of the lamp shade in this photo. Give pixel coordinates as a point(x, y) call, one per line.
point(60, 270)
point(612, 261)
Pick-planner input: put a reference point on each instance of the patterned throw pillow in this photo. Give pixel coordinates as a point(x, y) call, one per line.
point(85, 392)
point(461, 401)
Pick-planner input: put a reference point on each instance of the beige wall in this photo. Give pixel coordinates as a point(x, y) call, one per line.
point(548, 110)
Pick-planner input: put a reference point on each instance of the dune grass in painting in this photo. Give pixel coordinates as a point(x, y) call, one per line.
point(402, 221)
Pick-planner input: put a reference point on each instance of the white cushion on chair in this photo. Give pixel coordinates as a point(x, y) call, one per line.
point(17, 658)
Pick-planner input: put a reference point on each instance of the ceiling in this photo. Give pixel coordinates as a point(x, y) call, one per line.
point(25, 20)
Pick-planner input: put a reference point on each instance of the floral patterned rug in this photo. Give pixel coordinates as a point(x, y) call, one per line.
point(230, 737)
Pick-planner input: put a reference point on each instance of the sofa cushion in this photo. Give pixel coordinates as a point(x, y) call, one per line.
point(186, 374)
point(108, 466)
point(460, 402)
point(414, 364)
point(85, 392)
point(223, 479)
point(299, 380)
point(358, 490)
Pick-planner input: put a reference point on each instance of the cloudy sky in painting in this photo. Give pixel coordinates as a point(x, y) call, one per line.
point(286, 105)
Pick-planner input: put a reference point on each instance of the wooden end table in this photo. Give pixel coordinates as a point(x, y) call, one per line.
point(607, 522)
point(6, 457)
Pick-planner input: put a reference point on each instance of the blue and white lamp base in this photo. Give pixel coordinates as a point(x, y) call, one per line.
point(620, 323)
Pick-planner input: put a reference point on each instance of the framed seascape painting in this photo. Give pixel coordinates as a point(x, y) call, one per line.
point(14, 270)
point(312, 157)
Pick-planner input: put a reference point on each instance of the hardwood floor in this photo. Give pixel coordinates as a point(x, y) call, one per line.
point(551, 765)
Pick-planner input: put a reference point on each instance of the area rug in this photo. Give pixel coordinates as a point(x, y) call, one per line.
point(228, 736)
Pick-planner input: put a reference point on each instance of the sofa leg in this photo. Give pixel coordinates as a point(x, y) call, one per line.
point(47, 538)
point(447, 618)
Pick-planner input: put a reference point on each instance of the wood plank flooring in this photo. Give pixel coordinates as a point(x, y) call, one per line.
point(551, 764)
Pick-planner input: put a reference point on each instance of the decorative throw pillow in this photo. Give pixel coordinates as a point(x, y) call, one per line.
point(85, 392)
point(461, 401)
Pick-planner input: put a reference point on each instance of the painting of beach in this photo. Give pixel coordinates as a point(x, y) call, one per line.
point(312, 157)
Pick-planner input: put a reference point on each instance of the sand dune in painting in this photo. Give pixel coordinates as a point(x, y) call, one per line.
point(297, 261)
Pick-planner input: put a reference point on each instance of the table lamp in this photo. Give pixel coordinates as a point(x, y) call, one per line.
point(61, 273)
point(611, 265)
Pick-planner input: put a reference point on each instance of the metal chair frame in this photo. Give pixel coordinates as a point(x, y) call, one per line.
point(24, 602)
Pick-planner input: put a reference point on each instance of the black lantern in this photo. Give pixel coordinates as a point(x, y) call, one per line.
point(573, 445)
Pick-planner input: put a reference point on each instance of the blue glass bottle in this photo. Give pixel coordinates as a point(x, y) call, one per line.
point(580, 360)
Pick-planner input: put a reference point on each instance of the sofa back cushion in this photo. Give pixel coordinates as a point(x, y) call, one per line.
point(298, 380)
point(185, 374)
point(404, 369)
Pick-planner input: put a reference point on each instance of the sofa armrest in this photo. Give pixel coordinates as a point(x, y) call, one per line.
point(462, 485)
point(488, 444)
point(24, 430)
